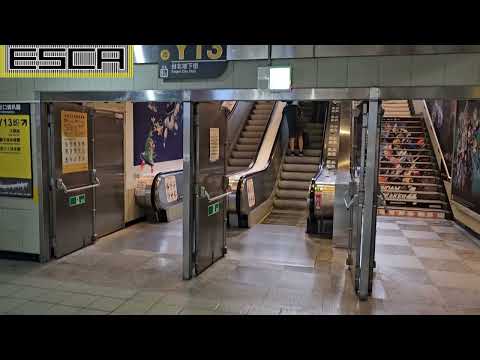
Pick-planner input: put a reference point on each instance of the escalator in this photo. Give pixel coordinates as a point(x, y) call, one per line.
point(274, 189)
point(248, 140)
point(289, 204)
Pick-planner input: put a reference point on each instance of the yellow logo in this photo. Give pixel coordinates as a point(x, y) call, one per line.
point(66, 61)
point(165, 54)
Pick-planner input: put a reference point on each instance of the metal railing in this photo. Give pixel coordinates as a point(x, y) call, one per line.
point(433, 135)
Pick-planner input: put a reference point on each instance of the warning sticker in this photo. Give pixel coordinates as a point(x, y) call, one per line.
point(171, 188)
point(214, 144)
point(250, 193)
point(74, 141)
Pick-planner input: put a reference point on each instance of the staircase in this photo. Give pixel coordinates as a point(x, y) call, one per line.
point(291, 192)
point(247, 144)
point(409, 177)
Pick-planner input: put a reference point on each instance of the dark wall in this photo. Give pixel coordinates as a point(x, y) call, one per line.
point(158, 132)
point(443, 114)
point(466, 164)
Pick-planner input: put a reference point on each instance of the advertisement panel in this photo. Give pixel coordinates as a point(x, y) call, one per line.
point(443, 114)
point(15, 150)
point(466, 164)
point(158, 132)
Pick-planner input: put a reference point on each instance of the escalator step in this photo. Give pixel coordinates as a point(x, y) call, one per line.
point(246, 147)
point(286, 175)
point(257, 122)
point(312, 152)
point(255, 128)
point(250, 141)
point(290, 204)
point(239, 162)
point(243, 154)
point(251, 134)
point(292, 194)
point(308, 168)
point(302, 160)
point(231, 169)
point(295, 185)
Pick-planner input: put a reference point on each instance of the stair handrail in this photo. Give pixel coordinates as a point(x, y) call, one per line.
point(433, 135)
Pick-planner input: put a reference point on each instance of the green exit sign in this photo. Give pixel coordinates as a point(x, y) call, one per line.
point(76, 200)
point(213, 209)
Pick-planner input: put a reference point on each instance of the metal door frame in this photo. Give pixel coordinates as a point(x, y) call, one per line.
point(189, 96)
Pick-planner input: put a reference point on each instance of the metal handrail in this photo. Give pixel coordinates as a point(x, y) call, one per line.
point(437, 143)
point(61, 185)
point(205, 194)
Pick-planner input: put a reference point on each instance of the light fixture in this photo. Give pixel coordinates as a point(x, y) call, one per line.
point(280, 78)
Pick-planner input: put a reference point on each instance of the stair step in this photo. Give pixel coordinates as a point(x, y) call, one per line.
point(290, 204)
point(243, 154)
point(402, 149)
point(410, 176)
point(291, 194)
point(396, 183)
point(294, 185)
point(420, 201)
point(286, 175)
point(414, 209)
point(304, 168)
point(409, 162)
point(302, 160)
point(239, 162)
point(406, 169)
point(413, 192)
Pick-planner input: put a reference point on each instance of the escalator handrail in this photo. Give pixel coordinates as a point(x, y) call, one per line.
point(325, 144)
point(259, 144)
point(153, 189)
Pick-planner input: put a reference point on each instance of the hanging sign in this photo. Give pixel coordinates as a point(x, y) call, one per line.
point(15, 151)
point(66, 61)
point(192, 61)
point(171, 188)
point(214, 144)
point(74, 141)
point(250, 192)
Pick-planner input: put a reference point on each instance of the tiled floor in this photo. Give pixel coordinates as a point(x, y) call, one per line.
point(423, 267)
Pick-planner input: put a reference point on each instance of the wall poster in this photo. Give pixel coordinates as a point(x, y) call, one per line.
point(158, 132)
point(214, 144)
point(74, 131)
point(443, 114)
point(466, 164)
point(15, 151)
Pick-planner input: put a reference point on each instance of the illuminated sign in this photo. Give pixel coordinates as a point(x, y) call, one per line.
point(280, 78)
point(66, 61)
point(15, 151)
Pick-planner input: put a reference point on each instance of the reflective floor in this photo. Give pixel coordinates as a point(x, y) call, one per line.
point(423, 267)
